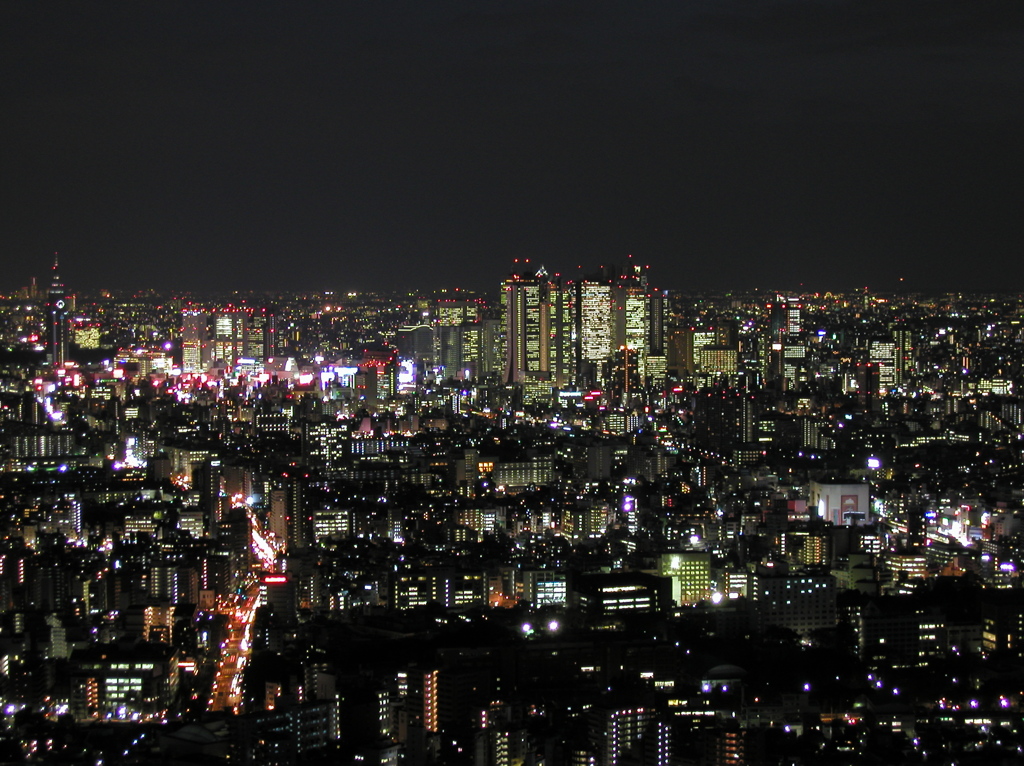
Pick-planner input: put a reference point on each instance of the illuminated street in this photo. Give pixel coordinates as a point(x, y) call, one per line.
point(240, 612)
point(235, 651)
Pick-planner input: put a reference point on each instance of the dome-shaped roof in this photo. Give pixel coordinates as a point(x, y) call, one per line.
point(721, 672)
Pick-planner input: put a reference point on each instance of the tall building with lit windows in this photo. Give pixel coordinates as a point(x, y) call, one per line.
point(419, 716)
point(690, 572)
point(228, 336)
point(904, 366)
point(480, 341)
point(596, 331)
point(803, 600)
point(539, 312)
point(782, 350)
point(456, 312)
point(243, 333)
point(562, 347)
point(620, 329)
point(882, 353)
point(57, 320)
point(618, 734)
point(195, 340)
point(527, 327)
point(261, 334)
point(631, 316)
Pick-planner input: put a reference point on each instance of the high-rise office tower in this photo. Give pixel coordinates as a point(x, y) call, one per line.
point(243, 333)
point(882, 353)
point(448, 349)
point(903, 339)
point(620, 328)
point(540, 329)
point(590, 331)
point(195, 340)
point(596, 331)
point(782, 351)
point(656, 326)
point(632, 318)
point(261, 334)
point(481, 342)
point(57, 320)
point(563, 346)
point(455, 312)
point(527, 326)
point(228, 336)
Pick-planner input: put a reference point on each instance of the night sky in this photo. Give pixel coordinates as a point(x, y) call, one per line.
point(730, 144)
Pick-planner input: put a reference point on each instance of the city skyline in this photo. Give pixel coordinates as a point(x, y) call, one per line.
point(731, 146)
point(490, 285)
point(579, 523)
point(522, 383)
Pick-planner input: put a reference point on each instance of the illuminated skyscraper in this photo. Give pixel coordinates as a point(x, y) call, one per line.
point(261, 334)
point(195, 340)
point(621, 328)
point(527, 327)
point(540, 330)
point(480, 347)
point(228, 336)
point(903, 338)
point(782, 350)
point(583, 332)
point(57, 320)
point(882, 353)
point(596, 330)
point(243, 333)
point(454, 312)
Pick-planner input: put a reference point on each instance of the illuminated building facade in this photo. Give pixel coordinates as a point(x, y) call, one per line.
point(841, 504)
point(455, 312)
point(618, 732)
point(226, 335)
point(545, 587)
point(607, 594)
point(596, 331)
point(690, 572)
point(327, 444)
point(905, 362)
point(57, 320)
point(800, 600)
point(195, 340)
point(111, 681)
point(447, 586)
point(719, 361)
point(527, 327)
point(638, 317)
point(882, 353)
point(782, 349)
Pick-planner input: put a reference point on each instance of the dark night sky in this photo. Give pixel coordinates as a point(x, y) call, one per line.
point(418, 144)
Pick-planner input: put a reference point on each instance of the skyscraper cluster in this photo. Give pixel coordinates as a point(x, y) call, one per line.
point(225, 335)
point(533, 533)
point(605, 329)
